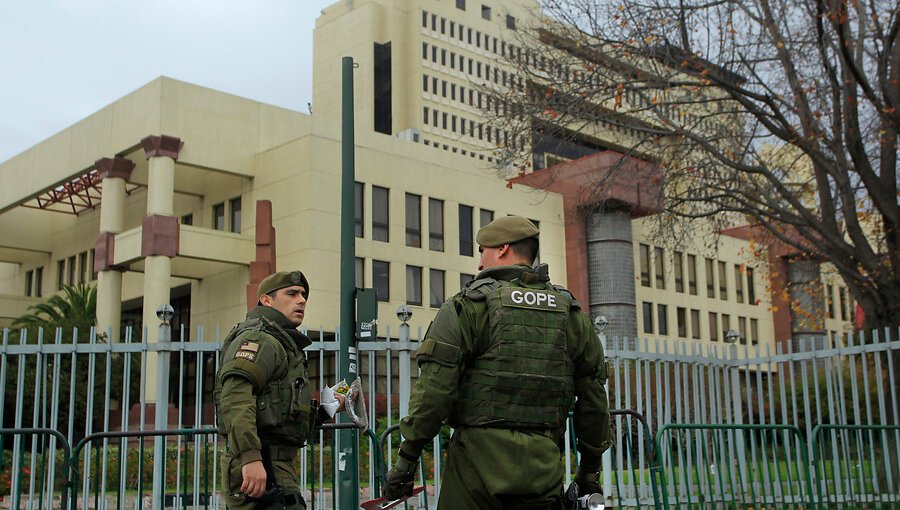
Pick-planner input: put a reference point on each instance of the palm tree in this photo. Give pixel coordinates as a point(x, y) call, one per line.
point(75, 308)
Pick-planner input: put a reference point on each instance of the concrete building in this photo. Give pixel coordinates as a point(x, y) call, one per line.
point(177, 193)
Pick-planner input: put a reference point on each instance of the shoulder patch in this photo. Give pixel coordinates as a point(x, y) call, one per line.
point(247, 355)
point(249, 346)
point(478, 290)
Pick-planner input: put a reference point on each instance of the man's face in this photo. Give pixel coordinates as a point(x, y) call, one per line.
point(490, 257)
point(290, 301)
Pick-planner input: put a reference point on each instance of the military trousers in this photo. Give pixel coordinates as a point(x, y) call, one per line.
point(501, 469)
point(286, 476)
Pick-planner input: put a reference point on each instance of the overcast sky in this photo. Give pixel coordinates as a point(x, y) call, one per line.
point(62, 60)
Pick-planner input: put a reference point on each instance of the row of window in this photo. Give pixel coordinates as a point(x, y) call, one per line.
point(413, 205)
point(381, 282)
point(688, 325)
point(72, 270)
point(229, 210)
point(685, 272)
point(457, 150)
point(474, 68)
point(463, 126)
point(467, 35)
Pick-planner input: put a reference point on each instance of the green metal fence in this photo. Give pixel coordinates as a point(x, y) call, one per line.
point(734, 466)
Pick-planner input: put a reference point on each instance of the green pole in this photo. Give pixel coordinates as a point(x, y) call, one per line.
point(348, 467)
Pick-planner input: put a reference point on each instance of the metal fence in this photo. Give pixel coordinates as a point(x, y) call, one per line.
point(840, 398)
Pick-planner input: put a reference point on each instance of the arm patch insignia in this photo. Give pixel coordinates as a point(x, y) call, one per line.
point(247, 351)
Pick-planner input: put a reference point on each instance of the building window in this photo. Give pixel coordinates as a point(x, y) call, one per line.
point(647, 312)
point(510, 24)
point(436, 287)
point(381, 276)
point(382, 86)
point(742, 329)
point(726, 325)
point(678, 270)
point(692, 274)
point(235, 204)
point(681, 321)
point(83, 267)
point(219, 216)
point(662, 319)
point(713, 326)
point(645, 264)
point(695, 324)
point(187, 219)
point(660, 266)
point(710, 278)
point(485, 12)
point(93, 261)
point(29, 282)
point(70, 273)
point(738, 283)
point(464, 279)
point(60, 274)
point(413, 285)
point(39, 281)
point(379, 213)
point(829, 301)
point(461, 4)
point(485, 216)
point(358, 190)
point(360, 270)
point(413, 220)
point(466, 244)
point(842, 299)
point(754, 331)
point(723, 281)
point(751, 287)
point(435, 224)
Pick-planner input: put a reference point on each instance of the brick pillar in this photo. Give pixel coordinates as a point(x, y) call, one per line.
point(264, 264)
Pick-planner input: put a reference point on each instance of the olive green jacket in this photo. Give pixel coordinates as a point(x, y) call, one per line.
point(262, 353)
point(460, 332)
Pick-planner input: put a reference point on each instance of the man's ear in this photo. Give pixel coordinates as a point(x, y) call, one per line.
point(503, 251)
point(265, 300)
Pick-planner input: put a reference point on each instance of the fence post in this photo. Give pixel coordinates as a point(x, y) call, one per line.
point(600, 324)
point(164, 338)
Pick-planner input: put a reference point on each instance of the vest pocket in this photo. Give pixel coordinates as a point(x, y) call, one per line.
point(273, 405)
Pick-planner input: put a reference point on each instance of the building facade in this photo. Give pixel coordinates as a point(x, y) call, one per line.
point(176, 193)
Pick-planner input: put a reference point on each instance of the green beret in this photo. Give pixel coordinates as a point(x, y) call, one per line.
point(506, 230)
point(281, 280)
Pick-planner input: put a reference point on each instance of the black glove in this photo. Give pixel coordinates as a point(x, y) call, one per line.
point(587, 482)
point(399, 480)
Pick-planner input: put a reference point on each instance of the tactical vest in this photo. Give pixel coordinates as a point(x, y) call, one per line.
point(283, 412)
point(524, 380)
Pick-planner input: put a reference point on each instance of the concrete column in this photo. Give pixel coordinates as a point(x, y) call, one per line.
point(114, 172)
point(611, 273)
point(160, 228)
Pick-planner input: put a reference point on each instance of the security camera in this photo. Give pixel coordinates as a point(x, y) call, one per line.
point(404, 313)
point(165, 312)
point(732, 336)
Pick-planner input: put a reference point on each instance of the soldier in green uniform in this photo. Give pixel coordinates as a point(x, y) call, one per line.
point(503, 362)
point(263, 397)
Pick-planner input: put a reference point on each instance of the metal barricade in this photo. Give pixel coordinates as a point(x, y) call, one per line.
point(103, 463)
point(856, 464)
point(45, 476)
point(705, 466)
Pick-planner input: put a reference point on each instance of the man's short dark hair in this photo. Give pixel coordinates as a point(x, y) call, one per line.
point(526, 248)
